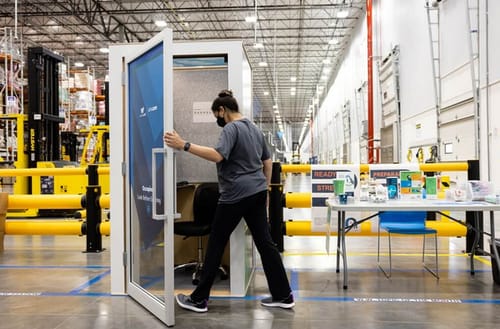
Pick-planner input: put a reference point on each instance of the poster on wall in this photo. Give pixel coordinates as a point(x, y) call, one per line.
point(322, 177)
point(146, 121)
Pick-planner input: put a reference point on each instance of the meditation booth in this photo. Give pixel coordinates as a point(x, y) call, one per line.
point(155, 87)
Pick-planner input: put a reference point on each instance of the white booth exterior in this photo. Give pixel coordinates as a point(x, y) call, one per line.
point(239, 80)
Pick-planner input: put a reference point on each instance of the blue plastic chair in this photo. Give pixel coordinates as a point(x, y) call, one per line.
point(405, 222)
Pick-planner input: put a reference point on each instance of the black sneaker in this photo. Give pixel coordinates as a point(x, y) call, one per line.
point(283, 303)
point(187, 303)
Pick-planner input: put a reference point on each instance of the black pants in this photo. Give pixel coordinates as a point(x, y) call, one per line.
point(227, 217)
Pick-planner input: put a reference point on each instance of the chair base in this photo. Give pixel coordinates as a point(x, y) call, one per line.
point(436, 275)
point(198, 267)
point(389, 274)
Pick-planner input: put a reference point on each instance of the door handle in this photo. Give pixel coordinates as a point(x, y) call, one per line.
point(155, 152)
point(165, 216)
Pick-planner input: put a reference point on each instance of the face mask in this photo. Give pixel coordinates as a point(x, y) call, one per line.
point(221, 122)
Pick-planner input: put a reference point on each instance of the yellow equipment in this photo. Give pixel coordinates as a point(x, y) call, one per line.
point(96, 148)
point(95, 151)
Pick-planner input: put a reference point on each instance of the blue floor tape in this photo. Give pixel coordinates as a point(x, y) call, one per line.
point(294, 283)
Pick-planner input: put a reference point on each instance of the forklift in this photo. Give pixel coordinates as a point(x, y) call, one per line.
point(46, 147)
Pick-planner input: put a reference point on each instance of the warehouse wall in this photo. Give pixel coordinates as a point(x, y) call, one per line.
point(405, 24)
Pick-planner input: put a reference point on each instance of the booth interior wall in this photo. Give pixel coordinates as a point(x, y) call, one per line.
point(195, 89)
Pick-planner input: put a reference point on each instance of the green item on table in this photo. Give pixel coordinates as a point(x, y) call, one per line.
point(338, 186)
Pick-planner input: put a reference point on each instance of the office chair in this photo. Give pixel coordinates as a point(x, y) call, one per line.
point(205, 201)
point(405, 222)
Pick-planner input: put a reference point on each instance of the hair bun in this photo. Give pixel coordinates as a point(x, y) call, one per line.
point(226, 93)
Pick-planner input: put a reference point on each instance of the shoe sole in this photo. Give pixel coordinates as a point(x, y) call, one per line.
point(191, 308)
point(282, 305)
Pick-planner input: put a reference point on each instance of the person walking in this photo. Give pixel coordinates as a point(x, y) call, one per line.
point(244, 168)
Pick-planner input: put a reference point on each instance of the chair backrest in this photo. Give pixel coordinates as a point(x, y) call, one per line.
point(403, 217)
point(206, 197)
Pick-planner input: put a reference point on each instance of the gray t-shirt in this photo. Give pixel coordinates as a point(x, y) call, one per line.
point(243, 148)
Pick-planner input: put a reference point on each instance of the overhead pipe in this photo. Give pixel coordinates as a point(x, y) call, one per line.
point(369, 29)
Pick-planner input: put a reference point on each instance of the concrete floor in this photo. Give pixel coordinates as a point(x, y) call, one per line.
point(49, 283)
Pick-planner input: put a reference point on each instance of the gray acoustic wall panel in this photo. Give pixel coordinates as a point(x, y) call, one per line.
point(194, 91)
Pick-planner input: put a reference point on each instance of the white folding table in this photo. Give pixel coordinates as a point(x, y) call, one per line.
point(405, 205)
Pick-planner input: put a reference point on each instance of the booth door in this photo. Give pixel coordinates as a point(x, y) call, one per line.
point(149, 171)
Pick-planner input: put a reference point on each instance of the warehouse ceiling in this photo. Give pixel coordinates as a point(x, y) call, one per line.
point(302, 41)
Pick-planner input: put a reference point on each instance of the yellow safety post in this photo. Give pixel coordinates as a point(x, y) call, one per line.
point(298, 200)
point(291, 168)
point(104, 201)
point(48, 201)
point(103, 170)
point(444, 166)
point(50, 227)
point(105, 228)
point(81, 213)
point(364, 168)
point(42, 171)
point(43, 227)
point(304, 228)
point(304, 200)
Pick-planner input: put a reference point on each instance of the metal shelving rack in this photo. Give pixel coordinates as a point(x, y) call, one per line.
point(12, 116)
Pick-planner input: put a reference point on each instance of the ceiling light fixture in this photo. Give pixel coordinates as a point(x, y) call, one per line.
point(79, 64)
point(251, 19)
point(343, 13)
point(262, 64)
point(104, 50)
point(160, 23)
point(159, 20)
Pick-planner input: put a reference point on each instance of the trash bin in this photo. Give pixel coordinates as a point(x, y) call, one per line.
point(494, 265)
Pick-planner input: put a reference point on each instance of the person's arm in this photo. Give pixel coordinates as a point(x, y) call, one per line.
point(172, 139)
point(268, 169)
point(205, 152)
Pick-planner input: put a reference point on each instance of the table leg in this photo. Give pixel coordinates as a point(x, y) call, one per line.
point(494, 253)
point(339, 239)
point(344, 252)
point(474, 246)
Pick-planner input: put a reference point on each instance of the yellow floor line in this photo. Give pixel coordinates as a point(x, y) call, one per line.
point(319, 253)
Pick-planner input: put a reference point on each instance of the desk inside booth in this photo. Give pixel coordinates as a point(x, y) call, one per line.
point(373, 208)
